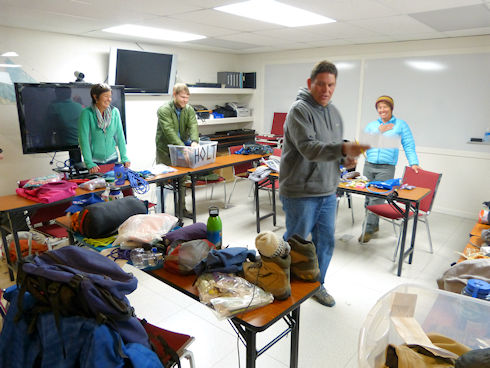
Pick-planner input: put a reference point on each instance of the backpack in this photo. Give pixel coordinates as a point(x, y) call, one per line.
point(69, 342)
point(74, 281)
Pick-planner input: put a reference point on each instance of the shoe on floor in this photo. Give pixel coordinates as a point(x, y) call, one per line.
point(368, 235)
point(187, 214)
point(324, 298)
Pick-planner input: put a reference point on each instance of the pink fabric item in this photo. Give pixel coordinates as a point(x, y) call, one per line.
point(50, 192)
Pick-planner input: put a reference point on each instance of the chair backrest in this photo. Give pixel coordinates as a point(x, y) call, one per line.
point(423, 179)
point(277, 152)
point(278, 123)
point(45, 214)
point(240, 168)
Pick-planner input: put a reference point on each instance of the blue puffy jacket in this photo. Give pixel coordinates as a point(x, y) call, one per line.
point(390, 155)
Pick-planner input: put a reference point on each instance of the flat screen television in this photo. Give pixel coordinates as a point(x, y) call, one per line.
point(49, 112)
point(142, 71)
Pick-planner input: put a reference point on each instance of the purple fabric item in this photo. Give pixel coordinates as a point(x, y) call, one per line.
point(50, 192)
point(186, 233)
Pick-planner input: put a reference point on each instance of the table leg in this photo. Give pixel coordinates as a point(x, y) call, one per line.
point(414, 232)
point(7, 253)
point(251, 341)
point(273, 180)
point(293, 359)
point(257, 213)
point(193, 190)
point(404, 237)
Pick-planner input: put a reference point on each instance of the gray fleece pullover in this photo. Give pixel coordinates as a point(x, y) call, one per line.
point(312, 149)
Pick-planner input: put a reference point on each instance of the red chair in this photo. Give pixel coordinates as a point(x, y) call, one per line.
point(276, 136)
point(423, 179)
point(42, 221)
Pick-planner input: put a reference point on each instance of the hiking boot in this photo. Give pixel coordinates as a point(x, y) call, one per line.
point(324, 298)
point(271, 274)
point(368, 235)
point(304, 262)
point(187, 214)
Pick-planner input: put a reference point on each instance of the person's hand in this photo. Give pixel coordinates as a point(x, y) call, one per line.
point(416, 168)
point(350, 162)
point(1, 156)
point(194, 144)
point(127, 164)
point(385, 127)
point(94, 170)
point(353, 150)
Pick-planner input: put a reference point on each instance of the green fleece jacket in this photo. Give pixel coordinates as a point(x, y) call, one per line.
point(95, 144)
point(171, 131)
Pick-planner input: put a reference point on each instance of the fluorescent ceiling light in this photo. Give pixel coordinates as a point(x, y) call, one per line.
point(10, 54)
point(425, 65)
point(153, 33)
point(344, 66)
point(272, 11)
point(10, 66)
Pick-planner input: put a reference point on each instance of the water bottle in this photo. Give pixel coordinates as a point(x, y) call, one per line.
point(115, 193)
point(119, 173)
point(138, 258)
point(477, 289)
point(105, 194)
point(214, 227)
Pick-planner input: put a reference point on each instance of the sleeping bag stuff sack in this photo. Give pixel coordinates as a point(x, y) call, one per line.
point(102, 219)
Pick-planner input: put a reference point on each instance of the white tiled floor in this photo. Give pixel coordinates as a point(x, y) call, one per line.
point(357, 277)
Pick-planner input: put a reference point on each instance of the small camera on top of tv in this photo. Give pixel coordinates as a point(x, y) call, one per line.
point(79, 76)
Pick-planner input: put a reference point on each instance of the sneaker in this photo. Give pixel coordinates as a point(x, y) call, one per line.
point(324, 298)
point(271, 274)
point(304, 262)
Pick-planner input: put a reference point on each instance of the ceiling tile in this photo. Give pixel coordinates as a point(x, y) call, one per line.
point(416, 6)
point(344, 10)
point(185, 26)
point(475, 16)
point(226, 44)
point(339, 30)
point(401, 24)
point(214, 17)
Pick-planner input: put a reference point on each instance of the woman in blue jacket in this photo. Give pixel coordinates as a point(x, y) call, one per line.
point(381, 162)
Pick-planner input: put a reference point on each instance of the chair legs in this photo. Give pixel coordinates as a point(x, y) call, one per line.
point(190, 357)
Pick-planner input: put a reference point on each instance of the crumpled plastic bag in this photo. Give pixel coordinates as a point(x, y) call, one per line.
point(230, 295)
point(93, 184)
point(145, 229)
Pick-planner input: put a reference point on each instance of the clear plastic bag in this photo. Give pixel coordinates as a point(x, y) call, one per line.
point(93, 184)
point(145, 228)
point(230, 295)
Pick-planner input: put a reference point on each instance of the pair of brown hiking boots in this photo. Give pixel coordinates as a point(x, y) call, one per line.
point(273, 273)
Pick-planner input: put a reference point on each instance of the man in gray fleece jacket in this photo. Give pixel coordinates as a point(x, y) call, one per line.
point(309, 174)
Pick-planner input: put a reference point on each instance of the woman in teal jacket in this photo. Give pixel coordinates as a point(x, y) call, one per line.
point(381, 162)
point(100, 131)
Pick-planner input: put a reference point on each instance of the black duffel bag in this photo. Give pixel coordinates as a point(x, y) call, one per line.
point(102, 219)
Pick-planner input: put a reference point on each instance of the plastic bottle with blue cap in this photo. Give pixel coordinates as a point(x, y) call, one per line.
point(477, 289)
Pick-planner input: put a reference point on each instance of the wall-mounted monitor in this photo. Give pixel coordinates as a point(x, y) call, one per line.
point(49, 112)
point(142, 71)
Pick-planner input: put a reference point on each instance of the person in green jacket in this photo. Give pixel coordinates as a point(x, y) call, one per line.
point(177, 124)
point(100, 131)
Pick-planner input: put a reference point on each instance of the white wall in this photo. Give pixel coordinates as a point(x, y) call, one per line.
point(466, 173)
point(51, 57)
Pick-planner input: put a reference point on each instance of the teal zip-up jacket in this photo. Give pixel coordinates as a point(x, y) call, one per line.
point(95, 144)
point(389, 156)
point(170, 131)
point(312, 149)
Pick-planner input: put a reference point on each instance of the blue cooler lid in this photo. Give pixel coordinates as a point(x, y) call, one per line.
point(478, 288)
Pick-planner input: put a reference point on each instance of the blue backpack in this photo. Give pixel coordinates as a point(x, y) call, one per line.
point(64, 341)
point(74, 281)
